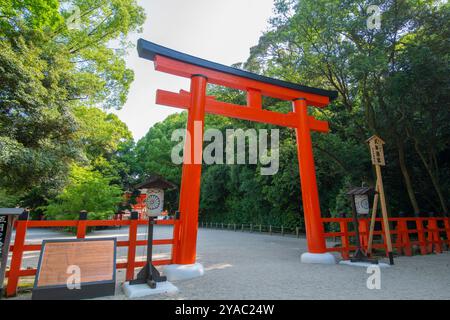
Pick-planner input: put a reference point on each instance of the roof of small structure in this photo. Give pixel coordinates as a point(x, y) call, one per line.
point(155, 181)
point(148, 50)
point(375, 137)
point(360, 191)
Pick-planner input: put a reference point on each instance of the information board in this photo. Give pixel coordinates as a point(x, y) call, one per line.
point(76, 269)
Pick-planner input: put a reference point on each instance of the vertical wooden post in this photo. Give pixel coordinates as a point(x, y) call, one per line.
point(344, 239)
point(363, 232)
point(16, 260)
point(384, 213)
point(372, 221)
point(254, 98)
point(175, 233)
point(132, 237)
point(403, 236)
point(310, 195)
point(81, 227)
point(447, 230)
point(191, 174)
point(433, 236)
point(421, 236)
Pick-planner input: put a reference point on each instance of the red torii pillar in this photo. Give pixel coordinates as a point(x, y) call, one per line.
point(191, 175)
point(197, 103)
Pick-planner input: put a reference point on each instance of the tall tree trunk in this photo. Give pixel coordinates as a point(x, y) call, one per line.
point(433, 178)
point(406, 177)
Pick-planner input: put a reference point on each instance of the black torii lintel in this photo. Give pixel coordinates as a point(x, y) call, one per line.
point(148, 50)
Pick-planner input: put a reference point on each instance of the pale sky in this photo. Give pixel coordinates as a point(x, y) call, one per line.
point(218, 30)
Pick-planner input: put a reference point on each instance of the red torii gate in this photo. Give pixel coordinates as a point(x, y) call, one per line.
point(201, 72)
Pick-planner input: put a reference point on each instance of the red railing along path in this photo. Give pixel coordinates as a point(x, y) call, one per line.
point(428, 234)
point(20, 246)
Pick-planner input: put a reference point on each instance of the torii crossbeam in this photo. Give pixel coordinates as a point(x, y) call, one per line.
point(196, 101)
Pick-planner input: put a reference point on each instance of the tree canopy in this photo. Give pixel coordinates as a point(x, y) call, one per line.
point(392, 81)
point(62, 70)
point(59, 62)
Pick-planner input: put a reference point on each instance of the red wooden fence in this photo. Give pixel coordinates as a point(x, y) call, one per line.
point(20, 246)
point(428, 234)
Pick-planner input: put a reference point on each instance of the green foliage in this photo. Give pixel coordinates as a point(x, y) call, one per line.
point(87, 190)
point(52, 75)
point(48, 69)
point(393, 82)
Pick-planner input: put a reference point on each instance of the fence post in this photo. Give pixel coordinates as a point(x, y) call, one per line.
point(260, 228)
point(363, 232)
point(17, 254)
point(81, 227)
point(344, 239)
point(242, 227)
point(421, 236)
point(282, 230)
point(234, 226)
point(132, 236)
point(384, 237)
point(270, 229)
point(297, 232)
point(433, 236)
point(251, 227)
point(403, 237)
point(222, 225)
point(447, 230)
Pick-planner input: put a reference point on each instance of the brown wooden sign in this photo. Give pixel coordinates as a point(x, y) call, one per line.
point(76, 269)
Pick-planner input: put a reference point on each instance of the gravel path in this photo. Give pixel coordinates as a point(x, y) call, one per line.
point(240, 265)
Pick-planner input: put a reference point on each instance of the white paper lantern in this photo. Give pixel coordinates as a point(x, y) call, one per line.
point(154, 202)
point(362, 204)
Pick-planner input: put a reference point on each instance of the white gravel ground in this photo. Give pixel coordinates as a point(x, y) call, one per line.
point(241, 265)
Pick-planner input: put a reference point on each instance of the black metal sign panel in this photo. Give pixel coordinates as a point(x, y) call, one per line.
point(3, 231)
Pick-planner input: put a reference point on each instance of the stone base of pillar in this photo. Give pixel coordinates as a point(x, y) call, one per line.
point(322, 258)
point(175, 272)
point(363, 264)
point(142, 290)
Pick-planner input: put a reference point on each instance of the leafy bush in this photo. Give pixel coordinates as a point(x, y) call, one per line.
point(87, 190)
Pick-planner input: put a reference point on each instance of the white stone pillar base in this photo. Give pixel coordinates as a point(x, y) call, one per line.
point(142, 290)
point(363, 264)
point(175, 272)
point(322, 258)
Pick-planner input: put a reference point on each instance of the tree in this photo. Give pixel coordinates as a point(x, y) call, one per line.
point(87, 190)
point(393, 81)
point(107, 144)
point(48, 68)
point(328, 44)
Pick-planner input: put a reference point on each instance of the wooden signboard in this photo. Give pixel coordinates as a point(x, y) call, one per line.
point(76, 269)
point(377, 154)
